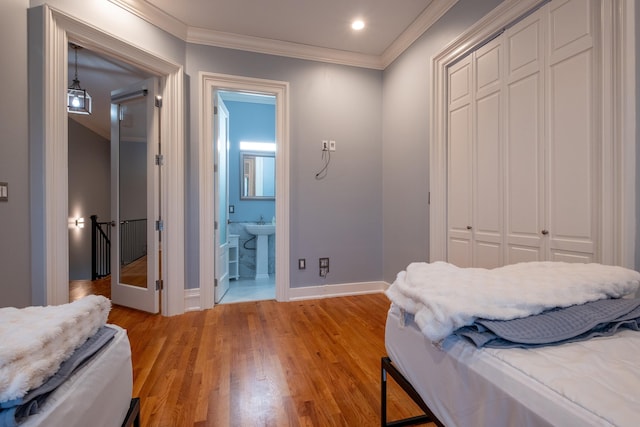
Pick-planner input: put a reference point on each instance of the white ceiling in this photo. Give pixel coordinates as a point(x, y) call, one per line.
point(321, 23)
point(308, 29)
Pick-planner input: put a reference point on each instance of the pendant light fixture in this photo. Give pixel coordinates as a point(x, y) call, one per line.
point(78, 99)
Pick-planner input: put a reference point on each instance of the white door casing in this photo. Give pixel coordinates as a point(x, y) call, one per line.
point(49, 176)
point(209, 83)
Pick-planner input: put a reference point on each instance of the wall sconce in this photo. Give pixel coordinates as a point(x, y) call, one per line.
point(78, 99)
point(76, 222)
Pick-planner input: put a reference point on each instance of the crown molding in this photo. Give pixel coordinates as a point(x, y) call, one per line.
point(427, 18)
point(154, 16)
point(281, 48)
point(203, 36)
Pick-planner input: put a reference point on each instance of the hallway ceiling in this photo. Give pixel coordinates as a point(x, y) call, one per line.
point(309, 29)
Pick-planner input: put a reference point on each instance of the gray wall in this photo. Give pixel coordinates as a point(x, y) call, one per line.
point(637, 240)
point(339, 217)
point(89, 188)
point(407, 105)
point(15, 278)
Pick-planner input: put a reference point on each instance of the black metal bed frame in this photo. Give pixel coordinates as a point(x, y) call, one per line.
point(428, 417)
point(133, 415)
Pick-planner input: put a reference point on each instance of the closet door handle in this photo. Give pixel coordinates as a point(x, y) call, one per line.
point(545, 232)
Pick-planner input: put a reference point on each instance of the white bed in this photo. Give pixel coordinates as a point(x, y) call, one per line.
point(65, 366)
point(98, 394)
point(592, 383)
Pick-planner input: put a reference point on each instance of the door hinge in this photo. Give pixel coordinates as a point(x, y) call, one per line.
point(215, 283)
point(158, 101)
point(215, 109)
point(159, 160)
point(215, 168)
point(215, 225)
point(159, 225)
point(159, 285)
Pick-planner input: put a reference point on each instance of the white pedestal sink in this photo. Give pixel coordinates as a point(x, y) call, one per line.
point(262, 232)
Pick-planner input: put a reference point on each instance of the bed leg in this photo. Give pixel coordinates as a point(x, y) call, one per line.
point(383, 396)
point(428, 417)
point(133, 415)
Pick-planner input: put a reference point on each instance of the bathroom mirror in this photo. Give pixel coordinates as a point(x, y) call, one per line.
point(258, 176)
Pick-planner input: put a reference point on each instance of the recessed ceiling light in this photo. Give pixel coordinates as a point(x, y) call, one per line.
point(357, 25)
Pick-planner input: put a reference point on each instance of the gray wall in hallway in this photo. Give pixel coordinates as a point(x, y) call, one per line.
point(89, 193)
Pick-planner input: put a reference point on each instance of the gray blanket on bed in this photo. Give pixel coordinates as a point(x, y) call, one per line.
point(556, 326)
point(13, 412)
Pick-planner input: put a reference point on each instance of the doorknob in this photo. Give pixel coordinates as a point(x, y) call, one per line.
point(545, 232)
point(468, 227)
point(113, 223)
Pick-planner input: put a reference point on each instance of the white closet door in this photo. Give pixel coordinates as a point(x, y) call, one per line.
point(524, 123)
point(487, 227)
point(572, 133)
point(459, 247)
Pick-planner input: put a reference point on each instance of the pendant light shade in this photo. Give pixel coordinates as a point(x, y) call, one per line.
point(78, 99)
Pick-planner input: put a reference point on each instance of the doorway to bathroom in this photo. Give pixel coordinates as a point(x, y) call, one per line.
point(244, 190)
point(245, 134)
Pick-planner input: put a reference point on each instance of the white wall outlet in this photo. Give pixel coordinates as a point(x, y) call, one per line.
point(325, 145)
point(332, 145)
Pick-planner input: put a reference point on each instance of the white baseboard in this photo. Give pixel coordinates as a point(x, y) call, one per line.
point(192, 296)
point(337, 290)
point(192, 300)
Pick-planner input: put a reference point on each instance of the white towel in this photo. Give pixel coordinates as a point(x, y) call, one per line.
point(34, 341)
point(444, 297)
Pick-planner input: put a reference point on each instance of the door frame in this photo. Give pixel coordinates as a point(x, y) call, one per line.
point(49, 162)
point(617, 96)
point(209, 82)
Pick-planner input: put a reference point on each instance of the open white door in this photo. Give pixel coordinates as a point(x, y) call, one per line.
point(221, 186)
point(135, 207)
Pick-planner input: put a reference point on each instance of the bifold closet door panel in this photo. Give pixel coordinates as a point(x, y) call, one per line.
point(459, 200)
point(573, 129)
point(488, 178)
point(524, 129)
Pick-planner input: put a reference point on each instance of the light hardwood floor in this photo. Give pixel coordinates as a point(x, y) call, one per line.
point(266, 363)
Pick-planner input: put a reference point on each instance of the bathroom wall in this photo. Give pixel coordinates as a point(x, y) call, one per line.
point(248, 122)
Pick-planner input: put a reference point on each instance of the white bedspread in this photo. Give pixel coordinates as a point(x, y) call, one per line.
point(444, 297)
point(34, 341)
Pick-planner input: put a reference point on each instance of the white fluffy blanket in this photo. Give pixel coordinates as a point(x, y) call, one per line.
point(444, 297)
point(34, 341)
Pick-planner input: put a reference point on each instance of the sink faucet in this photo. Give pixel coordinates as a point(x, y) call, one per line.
point(261, 222)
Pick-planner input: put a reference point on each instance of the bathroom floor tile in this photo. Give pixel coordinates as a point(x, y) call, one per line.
point(243, 290)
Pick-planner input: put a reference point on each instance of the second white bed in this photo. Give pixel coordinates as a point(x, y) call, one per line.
point(588, 383)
